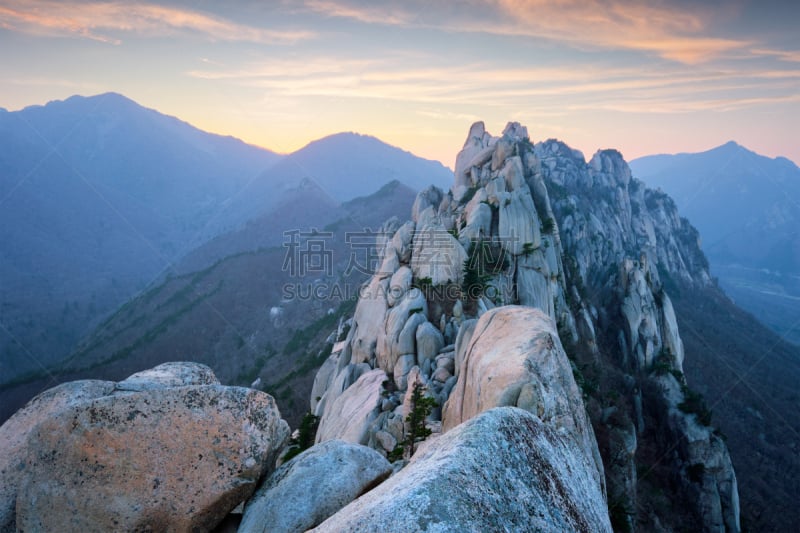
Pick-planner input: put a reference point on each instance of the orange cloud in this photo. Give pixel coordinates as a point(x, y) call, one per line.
point(100, 21)
point(677, 35)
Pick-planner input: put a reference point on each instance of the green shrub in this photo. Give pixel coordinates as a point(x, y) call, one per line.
point(417, 429)
point(694, 404)
point(305, 436)
point(422, 283)
point(527, 249)
point(663, 364)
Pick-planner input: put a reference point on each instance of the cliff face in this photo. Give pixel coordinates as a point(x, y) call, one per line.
point(600, 361)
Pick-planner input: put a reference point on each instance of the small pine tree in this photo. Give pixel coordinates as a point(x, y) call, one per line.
point(421, 407)
point(527, 249)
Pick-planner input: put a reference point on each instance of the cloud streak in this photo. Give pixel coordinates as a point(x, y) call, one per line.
point(105, 21)
point(653, 28)
point(483, 84)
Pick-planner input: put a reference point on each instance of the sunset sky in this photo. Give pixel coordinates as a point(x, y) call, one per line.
point(642, 77)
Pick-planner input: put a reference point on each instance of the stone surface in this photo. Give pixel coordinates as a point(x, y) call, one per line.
point(311, 487)
point(462, 342)
point(368, 320)
point(533, 285)
point(437, 255)
point(402, 241)
point(515, 358)
point(348, 375)
point(173, 374)
point(399, 285)
point(322, 380)
point(351, 414)
point(427, 199)
point(473, 145)
point(519, 224)
point(502, 471)
point(386, 440)
point(15, 431)
point(441, 375)
point(412, 307)
point(429, 342)
point(407, 340)
point(401, 369)
point(176, 459)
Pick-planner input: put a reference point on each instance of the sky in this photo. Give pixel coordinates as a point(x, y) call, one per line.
point(642, 77)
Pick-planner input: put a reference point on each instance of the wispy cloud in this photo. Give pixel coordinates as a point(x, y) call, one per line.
point(784, 55)
point(665, 106)
point(105, 21)
point(371, 13)
point(455, 88)
point(681, 35)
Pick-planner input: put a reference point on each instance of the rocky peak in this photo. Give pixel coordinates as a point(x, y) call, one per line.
point(587, 247)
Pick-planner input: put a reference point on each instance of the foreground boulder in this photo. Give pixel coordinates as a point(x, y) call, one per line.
point(515, 358)
point(15, 432)
point(313, 486)
point(143, 455)
point(504, 470)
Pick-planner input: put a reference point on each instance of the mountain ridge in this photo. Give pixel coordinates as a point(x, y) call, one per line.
point(579, 256)
point(104, 196)
point(746, 208)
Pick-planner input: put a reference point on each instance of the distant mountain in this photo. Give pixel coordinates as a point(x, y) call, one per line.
point(227, 308)
point(345, 166)
point(747, 208)
point(99, 195)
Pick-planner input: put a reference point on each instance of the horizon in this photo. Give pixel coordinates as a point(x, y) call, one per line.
point(587, 157)
point(673, 77)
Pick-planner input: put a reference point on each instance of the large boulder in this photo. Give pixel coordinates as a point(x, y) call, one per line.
point(437, 255)
point(504, 470)
point(518, 223)
point(158, 458)
point(474, 153)
point(429, 342)
point(351, 414)
point(339, 383)
point(368, 320)
point(410, 311)
point(399, 284)
point(313, 486)
point(515, 358)
point(15, 432)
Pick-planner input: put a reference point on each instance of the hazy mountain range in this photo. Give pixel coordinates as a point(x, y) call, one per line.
point(747, 208)
point(101, 196)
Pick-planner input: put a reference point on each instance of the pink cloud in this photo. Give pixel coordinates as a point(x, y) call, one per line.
point(103, 21)
point(678, 35)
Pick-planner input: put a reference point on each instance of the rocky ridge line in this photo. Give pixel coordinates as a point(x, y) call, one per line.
point(593, 250)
